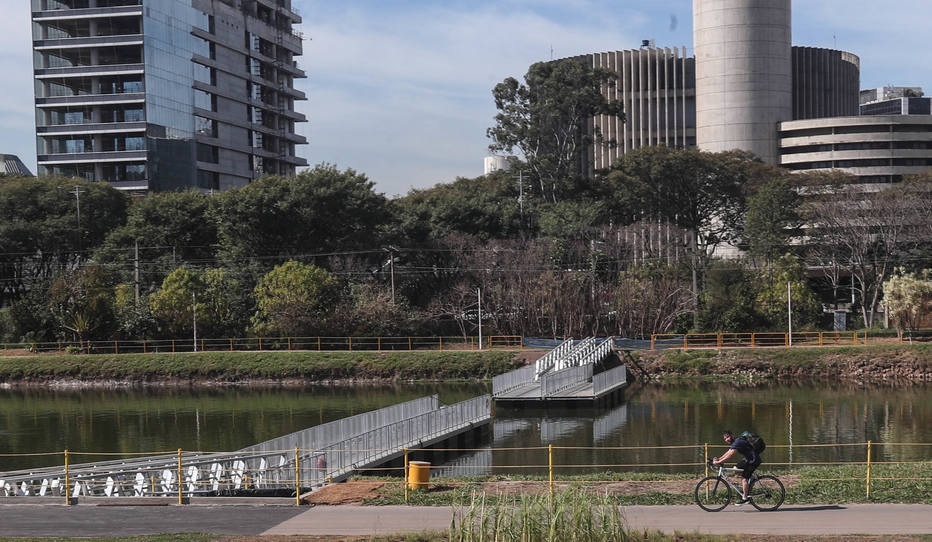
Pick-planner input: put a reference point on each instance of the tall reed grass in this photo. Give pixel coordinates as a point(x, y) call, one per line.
point(568, 516)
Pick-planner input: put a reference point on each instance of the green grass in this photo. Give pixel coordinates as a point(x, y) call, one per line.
point(845, 484)
point(237, 366)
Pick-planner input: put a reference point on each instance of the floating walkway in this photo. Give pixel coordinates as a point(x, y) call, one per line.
point(311, 458)
point(566, 373)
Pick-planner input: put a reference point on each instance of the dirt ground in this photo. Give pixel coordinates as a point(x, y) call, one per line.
point(356, 491)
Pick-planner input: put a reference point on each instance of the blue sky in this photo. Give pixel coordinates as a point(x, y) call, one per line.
point(400, 90)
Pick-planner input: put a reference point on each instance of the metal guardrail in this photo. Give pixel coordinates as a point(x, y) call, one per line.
point(262, 344)
point(688, 341)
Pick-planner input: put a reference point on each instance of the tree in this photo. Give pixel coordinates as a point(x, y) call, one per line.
point(307, 217)
point(788, 274)
point(702, 193)
point(772, 219)
point(163, 231)
point(728, 298)
point(651, 298)
point(865, 232)
point(175, 304)
point(549, 119)
point(81, 304)
point(908, 298)
point(294, 299)
point(486, 207)
point(49, 225)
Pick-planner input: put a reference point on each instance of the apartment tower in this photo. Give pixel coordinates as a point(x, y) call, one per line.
point(157, 95)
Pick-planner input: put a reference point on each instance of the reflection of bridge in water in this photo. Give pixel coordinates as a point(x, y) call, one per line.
point(307, 459)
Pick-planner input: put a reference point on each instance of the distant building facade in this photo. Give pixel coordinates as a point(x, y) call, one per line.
point(878, 149)
point(12, 165)
point(657, 89)
point(155, 95)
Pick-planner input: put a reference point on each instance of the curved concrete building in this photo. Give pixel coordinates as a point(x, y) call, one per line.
point(826, 83)
point(656, 87)
point(744, 77)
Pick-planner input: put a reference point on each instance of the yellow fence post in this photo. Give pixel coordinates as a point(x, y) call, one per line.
point(297, 478)
point(67, 493)
point(180, 500)
point(407, 467)
point(705, 459)
point(868, 470)
point(550, 466)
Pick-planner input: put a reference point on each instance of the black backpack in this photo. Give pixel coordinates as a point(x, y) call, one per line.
point(756, 441)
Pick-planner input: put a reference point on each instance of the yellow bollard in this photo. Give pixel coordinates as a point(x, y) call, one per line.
point(418, 474)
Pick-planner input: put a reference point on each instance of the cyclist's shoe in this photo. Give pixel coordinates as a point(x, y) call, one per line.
point(743, 500)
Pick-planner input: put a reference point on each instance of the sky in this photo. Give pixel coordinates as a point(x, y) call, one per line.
point(401, 90)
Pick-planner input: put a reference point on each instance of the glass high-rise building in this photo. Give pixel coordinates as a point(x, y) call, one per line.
point(156, 95)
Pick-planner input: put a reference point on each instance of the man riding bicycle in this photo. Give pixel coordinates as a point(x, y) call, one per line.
point(749, 464)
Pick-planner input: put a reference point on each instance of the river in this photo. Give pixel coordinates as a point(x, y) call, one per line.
point(653, 428)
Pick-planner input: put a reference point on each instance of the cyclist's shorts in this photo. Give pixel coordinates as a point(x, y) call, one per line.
point(748, 468)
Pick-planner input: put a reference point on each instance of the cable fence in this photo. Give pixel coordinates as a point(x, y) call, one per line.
point(295, 472)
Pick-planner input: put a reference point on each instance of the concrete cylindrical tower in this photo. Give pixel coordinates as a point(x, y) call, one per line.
point(744, 83)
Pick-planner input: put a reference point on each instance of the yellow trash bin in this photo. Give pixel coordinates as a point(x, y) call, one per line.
point(418, 474)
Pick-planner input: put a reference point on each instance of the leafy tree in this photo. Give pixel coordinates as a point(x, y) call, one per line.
point(728, 298)
point(49, 225)
point(697, 191)
point(908, 299)
point(307, 217)
point(81, 304)
point(549, 119)
point(486, 207)
point(294, 299)
point(789, 274)
point(169, 229)
point(772, 219)
point(134, 316)
point(224, 304)
point(175, 305)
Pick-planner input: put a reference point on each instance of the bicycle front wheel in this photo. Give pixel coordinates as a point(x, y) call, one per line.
point(712, 494)
point(767, 493)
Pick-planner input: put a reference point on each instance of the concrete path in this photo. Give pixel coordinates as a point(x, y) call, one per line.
point(281, 517)
point(791, 520)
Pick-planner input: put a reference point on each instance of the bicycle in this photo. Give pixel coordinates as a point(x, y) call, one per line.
point(713, 493)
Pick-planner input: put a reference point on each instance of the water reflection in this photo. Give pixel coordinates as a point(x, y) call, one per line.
point(656, 428)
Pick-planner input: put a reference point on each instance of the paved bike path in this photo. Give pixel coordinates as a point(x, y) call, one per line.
point(280, 518)
point(788, 520)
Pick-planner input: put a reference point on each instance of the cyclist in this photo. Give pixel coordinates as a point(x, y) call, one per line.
point(749, 464)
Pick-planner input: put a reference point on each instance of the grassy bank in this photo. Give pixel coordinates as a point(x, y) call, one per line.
point(246, 367)
point(871, 363)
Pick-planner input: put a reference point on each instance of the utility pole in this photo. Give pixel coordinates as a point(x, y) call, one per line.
point(479, 296)
point(77, 200)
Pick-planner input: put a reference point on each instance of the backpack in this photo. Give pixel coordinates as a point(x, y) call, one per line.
point(756, 441)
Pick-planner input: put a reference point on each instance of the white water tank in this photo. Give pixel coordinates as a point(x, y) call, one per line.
point(495, 163)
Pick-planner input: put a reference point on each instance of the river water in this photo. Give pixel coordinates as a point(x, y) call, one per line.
point(652, 428)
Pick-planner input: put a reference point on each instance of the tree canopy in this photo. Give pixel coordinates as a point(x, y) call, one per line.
point(548, 119)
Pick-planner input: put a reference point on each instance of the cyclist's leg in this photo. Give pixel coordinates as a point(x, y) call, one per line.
point(746, 474)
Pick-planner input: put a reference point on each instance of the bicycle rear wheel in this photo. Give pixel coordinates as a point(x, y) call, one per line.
point(712, 494)
point(767, 493)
